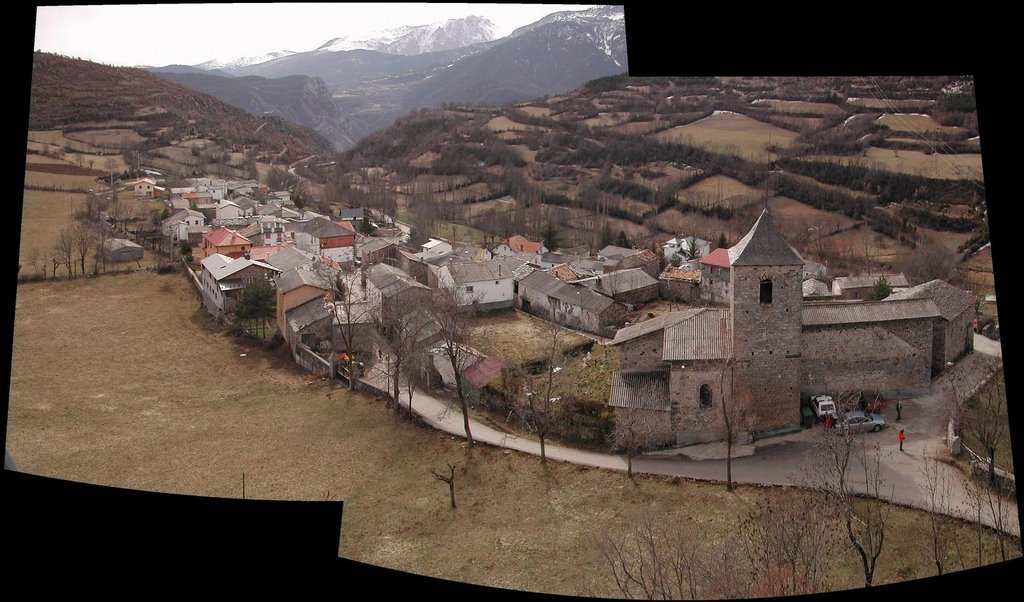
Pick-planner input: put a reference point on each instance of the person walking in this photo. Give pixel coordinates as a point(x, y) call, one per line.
point(899, 410)
point(902, 437)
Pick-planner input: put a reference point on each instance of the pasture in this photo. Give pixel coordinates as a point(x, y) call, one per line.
point(800, 106)
point(504, 124)
point(914, 122)
point(915, 163)
point(245, 409)
point(732, 134)
point(112, 138)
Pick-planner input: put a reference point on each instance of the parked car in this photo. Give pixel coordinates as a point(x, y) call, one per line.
point(856, 421)
point(823, 405)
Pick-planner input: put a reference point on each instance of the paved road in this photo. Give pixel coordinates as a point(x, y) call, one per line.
point(781, 460)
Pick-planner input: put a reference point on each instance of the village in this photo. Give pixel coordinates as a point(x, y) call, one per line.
point(652, 334)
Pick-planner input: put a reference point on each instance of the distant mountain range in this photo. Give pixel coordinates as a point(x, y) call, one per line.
point(373, 81)
point(76, 94)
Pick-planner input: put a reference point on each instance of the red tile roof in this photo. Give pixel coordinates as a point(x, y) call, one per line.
point(520, 244)
point(225, 238)
point(718, 258)
point(346, 225)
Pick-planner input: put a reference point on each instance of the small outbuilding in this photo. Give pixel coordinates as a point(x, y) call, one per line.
point(120, 249)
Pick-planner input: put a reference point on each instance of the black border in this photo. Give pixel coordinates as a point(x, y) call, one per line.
point(714, 39)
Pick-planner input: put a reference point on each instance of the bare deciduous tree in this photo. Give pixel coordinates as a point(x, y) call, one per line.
point(985, 421)
point(65, 249)
point(634, 431)
point(654, 560)
point(938, 488)
point(453, 336)
point(537, 405)
point(928, 261)
point(865, 520)
point(83, 238)
point(351, 307)
point(788, 553)
point(448, 479)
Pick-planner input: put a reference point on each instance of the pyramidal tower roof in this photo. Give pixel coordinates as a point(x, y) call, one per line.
point(764, 245)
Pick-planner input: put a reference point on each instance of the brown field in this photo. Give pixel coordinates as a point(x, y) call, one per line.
point(110, 124)
point(732, 134)
point(979, 273)
point(865, 244)
point(36, 158)
point(518, 524)
point(56, 166)
point(502, 205)
point(673, 221)
point(115, 138)
point(639, 128)
point(504, 124)
point(153, 110)
point(800, 106)
point(949, 167)
point(425, 160)
point(719, 189)
point(605, 120)
point(97, 162)
point(178, 154)
point(61, 181)
point(524, 152)
point(912, 122)
point(536, 111)
point(876, 103)
point(43, 147)
point(43, 215)
point(492, 332)
point(801, 124)
point(56, 137)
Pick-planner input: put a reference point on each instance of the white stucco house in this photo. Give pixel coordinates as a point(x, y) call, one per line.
point(485, 285)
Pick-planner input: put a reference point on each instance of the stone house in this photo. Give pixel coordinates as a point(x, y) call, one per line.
point(954, 333)
point(543, 295)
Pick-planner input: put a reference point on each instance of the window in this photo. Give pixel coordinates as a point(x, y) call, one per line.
point(705, 396)
point(469, 289)
point(766, 290)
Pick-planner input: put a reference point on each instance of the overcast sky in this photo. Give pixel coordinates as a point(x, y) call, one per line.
point(164, 34)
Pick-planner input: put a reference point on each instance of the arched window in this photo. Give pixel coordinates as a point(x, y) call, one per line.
point(766, 290)
point(705, 396)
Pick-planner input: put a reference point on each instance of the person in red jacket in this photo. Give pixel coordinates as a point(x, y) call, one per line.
point(902, 437)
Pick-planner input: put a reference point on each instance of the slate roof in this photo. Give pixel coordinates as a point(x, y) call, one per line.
point(372, 245)
point(321, 227)
point(855, 312)
point(640, 390)
point(116, 244)
point(579, 296)
point(222, 267)
point(764, 245)
point(705, 335)
point(310, 312)
point(950, 300)
point(653, 325)
point(613, 252)
point(390, 280)
point(297, 277)
point(351, 214)
point(288, 258)
point(478, 271)
point(523, 271)
point(621, 281)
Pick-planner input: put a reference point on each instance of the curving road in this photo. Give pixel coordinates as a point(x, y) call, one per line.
point(784, 460)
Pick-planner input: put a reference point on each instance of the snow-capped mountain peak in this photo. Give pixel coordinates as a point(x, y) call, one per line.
point(410, 40)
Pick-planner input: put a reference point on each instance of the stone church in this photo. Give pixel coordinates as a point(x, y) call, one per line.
point(769, 347)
